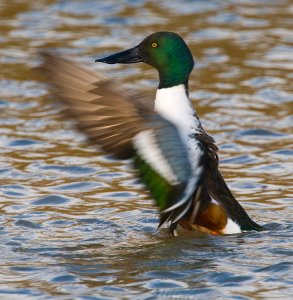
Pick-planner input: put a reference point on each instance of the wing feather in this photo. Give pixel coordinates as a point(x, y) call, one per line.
point(110, 115)
point(124, 124)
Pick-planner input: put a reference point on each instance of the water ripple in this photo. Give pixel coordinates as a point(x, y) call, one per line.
point(78, 224)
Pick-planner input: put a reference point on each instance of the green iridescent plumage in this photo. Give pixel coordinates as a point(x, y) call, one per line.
point(160, 189)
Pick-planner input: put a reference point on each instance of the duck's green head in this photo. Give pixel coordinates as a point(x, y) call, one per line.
point(165, 51)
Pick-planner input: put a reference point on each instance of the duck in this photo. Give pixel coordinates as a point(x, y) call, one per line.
point(175, 158)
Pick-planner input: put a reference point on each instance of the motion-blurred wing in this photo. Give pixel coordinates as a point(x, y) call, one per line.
point(123, 124)
point(163, 162)
point(109, 115)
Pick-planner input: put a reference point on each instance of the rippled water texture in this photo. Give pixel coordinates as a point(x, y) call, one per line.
point(76, 224)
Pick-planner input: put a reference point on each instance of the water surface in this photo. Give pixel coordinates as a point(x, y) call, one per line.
point(75, 223)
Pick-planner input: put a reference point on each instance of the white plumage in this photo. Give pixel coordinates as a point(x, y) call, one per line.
point(146, 146)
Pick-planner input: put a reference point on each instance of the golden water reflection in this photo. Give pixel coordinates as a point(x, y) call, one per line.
point(76, 223)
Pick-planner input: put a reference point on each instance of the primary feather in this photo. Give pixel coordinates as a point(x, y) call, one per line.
point(124, 124)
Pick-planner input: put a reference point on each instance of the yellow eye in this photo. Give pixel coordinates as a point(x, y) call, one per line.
point(154, 45)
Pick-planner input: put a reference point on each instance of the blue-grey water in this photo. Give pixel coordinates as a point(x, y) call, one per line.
point(75, 223)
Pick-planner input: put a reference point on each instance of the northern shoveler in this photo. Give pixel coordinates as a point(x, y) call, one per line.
point(176, 158)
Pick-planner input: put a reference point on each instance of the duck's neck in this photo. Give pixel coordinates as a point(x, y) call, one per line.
point(170, 79)
point(176, 71)
point(174, 105)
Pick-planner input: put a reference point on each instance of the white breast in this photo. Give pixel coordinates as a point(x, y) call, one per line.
point(174, 105)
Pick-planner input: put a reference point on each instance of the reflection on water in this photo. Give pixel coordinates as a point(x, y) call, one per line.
point(76, 224)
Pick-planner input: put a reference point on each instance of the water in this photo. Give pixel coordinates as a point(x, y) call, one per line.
point(76, 224)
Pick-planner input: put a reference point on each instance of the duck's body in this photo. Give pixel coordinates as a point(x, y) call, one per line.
point(176, 159)
point(189, 127)
point(211, 216)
